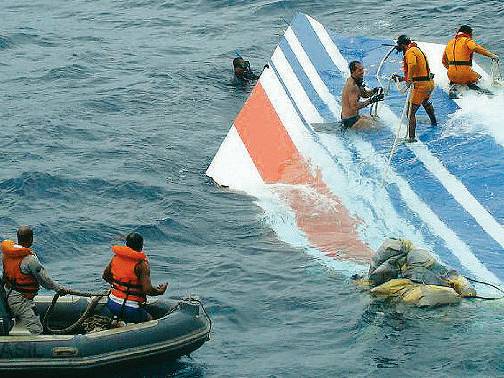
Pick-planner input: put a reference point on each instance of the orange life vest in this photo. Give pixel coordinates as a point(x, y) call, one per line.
point(14, 278)
point(125, 283)
point(422, 72)
point(457, 51)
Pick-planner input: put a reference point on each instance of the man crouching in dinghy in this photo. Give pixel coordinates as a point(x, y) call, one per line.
point(353, 90)
point(129, 274)
point(412, 275)
point(22, 276)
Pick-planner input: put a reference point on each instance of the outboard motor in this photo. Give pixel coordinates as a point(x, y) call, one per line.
point(6, 322)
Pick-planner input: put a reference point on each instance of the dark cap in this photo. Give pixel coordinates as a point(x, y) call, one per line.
point(465, 29)
point(135, 241)
point(402, 40)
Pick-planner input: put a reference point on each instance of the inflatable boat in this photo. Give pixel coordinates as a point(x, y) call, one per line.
point(178, 328)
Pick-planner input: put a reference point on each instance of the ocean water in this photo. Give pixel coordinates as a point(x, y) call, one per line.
point(110, 114)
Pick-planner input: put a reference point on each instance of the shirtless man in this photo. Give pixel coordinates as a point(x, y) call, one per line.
point(353, 90)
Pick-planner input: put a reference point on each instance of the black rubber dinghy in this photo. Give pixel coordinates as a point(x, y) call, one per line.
point(178, 328)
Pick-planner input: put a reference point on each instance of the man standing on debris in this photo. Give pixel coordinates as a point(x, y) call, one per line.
point(416, 73)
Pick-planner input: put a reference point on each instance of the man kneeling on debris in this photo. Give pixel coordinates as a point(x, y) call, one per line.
point(399, 269)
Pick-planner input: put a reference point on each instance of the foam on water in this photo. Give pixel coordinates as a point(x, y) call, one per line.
point(480, 114)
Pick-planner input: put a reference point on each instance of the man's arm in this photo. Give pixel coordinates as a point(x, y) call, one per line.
point(411, 61)
point(366, 92)
point(142, 271)
point(473, 46)
point(32, 265)
point(107, 274)
point(355, 104)
point(445, 60)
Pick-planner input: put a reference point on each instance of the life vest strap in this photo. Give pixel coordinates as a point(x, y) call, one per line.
point(127, 284)
point(421, 78)
point(460, 63)
point(21, 288)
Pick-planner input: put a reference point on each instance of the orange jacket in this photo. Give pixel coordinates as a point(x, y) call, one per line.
point(12, 256)
point(415, 65)
point(459, 51)
point(125, 283)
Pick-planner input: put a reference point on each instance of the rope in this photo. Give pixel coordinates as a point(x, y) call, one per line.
point(487, 284)
point(384, 59)
point(406, 110)
point(496, 73)
point(373, 111)
point(204, 310)
point(92, 305)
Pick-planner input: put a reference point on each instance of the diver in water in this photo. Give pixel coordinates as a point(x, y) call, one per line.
point(416, 73)
point(351, 103)
point(457, 59)
point(412, 275)
point(242, 70)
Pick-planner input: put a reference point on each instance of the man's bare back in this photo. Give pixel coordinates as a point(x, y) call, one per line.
point(353, 91)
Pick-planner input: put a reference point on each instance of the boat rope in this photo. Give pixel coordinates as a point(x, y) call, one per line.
point(205, 311)
point(89, 309)
point(405, 112)
point(487, 284)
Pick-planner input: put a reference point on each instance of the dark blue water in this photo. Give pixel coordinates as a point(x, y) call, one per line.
point(110, 113)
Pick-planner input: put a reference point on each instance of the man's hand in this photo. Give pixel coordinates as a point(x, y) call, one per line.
point(495, 57)
point(376, 98)
point(162, 288)
point(377, 90)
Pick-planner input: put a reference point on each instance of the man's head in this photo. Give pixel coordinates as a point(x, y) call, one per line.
point(241, 66)
point(135, 241)
point(466, 29)
point(356, 69)
point(402, 42)
point(25, 236)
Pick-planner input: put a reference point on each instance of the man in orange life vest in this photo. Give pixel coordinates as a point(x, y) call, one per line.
point(22, 276)
point(416, 73)
point(129, 274)
point(457, 58)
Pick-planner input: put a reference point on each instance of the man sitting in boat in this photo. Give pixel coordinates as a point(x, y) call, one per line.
point(457, 59)
point(401, 271)
point(22, 276)
point(129, 274)
point(351, 103)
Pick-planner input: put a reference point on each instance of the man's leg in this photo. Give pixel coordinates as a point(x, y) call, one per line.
point(364, 122)
point(429, 109)
point(24, 311)
point(477, 88)
point(412, 122)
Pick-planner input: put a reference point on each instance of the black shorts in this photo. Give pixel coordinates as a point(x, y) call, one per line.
point(349, 122)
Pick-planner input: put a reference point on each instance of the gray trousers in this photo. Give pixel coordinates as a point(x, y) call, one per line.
point(23, 310)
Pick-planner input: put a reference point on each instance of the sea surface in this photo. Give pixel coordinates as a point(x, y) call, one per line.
point(110, 114)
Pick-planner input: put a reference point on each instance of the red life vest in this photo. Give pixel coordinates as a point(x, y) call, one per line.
point(125, 283)
point(14, 278)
